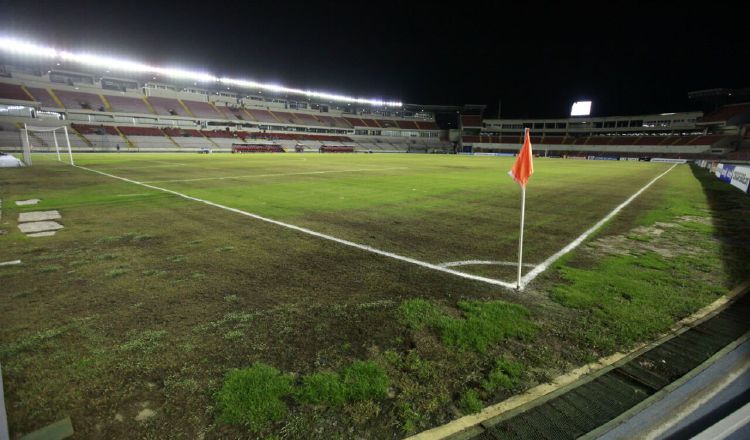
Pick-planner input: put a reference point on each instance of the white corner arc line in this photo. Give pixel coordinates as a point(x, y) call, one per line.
point(314, 233)
point(526, 279)
point(276, 175)
point(484, 262)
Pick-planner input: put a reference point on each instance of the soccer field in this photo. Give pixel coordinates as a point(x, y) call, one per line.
point(384, 278)
point(442, 210)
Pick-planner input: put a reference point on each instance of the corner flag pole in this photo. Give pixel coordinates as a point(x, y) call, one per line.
point(520, 236)
point(522, 169)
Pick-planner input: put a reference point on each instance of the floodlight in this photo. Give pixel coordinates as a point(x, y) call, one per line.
point(30, 49)
point(581, 108)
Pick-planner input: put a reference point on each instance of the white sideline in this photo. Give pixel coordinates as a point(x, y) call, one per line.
point(274, 175)
point(484, 262)
point(313, 233)
point(526, 279)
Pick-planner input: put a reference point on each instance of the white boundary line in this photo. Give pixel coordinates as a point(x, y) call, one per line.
point(484, 262)
point(274, 175)
point(315, 234)
point(529, 277)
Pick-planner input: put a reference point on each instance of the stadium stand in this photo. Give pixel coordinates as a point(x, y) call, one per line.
point(336, 149)
point(471, 121)
point(257, 148)
point(306, 119)
point(262, 115)
point(409, 125)
point(13, 91)
point(147, 138)
point(187, 138)
point(202, 110)
point(43, 97)
point(233, 112)
point(285, 117)
point(166, 106)
point(726, 113)
point(126, 104)
point(79, 100)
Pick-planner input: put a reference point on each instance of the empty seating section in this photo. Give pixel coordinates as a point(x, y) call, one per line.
point(306, 119)
point(262, 115)
point(233, 113)
point(202, 110)
point(126, 104)
point(182, 132)
point(43, 96)
point(386, 124)
point(140, 131)
point(10, 137)
point(104, 137)
point(726, 113)
point(285, 117)
point(427, 125)
point(259, 148)
point(188, 138)
point(80, 100)
point(707, 140)
point(87, 129)
point(407, 125)
point(355, 122)
point(471, 121)
point(336, 149)
point(370, 123)
point(218, 134)
point(13, 91)
point(166, 106)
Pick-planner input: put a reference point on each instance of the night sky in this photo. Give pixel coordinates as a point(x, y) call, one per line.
point(536, 57)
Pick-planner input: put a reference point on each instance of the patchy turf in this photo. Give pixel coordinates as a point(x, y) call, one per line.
point(150, 316)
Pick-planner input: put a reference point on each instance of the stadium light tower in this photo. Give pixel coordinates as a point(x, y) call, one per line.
point(581, 108)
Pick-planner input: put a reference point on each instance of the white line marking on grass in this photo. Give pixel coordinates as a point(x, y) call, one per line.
point(278, 174)
point(529, 277)
point(484, 262)
point(10, 263)
point(315, 234)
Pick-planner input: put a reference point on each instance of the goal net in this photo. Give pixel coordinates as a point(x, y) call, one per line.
point(46, 139)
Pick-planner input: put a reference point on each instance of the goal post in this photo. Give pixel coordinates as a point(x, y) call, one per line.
point(35, 138)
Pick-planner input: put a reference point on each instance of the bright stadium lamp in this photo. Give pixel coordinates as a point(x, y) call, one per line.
point(581, 108)
point(20, 47)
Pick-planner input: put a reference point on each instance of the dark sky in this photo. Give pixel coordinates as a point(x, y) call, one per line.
point(537, 58)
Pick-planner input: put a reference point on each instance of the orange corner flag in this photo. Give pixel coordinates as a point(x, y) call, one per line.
point(524, 166)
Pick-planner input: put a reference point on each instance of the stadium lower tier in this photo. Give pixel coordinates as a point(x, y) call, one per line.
point(86, 137)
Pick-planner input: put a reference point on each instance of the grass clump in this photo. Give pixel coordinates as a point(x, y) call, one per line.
point(362, 380)
point(253, 396)
point(483, 324)
point(365, 380)
point(322, 389)
point(504, 375)
point(470, 402)
point(418, 313)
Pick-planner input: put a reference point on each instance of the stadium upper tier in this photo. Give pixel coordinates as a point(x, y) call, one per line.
point(86, 100)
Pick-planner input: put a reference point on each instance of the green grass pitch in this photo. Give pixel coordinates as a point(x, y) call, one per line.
point(149, 314)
